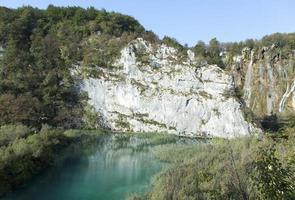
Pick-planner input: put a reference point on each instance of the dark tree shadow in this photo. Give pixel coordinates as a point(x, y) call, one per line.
point(271, 123)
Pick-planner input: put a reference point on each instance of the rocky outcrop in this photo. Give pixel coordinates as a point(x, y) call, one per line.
point(152, 89)
point(266, 78)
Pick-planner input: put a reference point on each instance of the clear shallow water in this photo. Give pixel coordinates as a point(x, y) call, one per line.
point(107, 173)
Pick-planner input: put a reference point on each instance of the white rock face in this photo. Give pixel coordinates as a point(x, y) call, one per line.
point(166, 95)
point(248, 81)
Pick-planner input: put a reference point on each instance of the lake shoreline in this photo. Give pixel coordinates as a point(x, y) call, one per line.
point(53, 145)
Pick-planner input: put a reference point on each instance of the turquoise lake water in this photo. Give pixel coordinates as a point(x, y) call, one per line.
point(106, 173)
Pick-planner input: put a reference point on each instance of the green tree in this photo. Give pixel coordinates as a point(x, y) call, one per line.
point(40, 49)
point(200, 49)
point(23, 108)
point(271, 178)
point(214, 51)
point(172, 42)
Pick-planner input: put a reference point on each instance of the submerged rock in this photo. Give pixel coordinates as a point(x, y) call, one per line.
point(163, 93)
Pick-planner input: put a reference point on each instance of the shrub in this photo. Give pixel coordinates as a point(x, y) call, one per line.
point(25, 157)
point(272, 179)
point(172, 42)
point(244, 168)
point(8, 133)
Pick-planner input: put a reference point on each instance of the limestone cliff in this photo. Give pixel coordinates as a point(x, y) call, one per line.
point(267, 80)
point(153, 89)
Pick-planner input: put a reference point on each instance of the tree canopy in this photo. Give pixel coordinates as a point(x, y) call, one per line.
point(40, 49)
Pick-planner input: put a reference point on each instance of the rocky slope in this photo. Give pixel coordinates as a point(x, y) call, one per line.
point(152, 88)
point(266, 78)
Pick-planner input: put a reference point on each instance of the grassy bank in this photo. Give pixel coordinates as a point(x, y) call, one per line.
point(243, 168)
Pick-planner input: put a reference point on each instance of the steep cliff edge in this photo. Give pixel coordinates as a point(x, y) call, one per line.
point(151, 88)
point(266, 78)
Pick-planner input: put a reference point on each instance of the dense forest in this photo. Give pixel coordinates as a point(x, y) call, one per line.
point(42, 46)
point(40, 98)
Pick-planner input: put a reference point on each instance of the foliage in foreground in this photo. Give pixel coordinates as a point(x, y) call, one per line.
point(244, 168)
point(25, 153)
point(9, 133)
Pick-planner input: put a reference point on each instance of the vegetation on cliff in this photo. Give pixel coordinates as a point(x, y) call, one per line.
point(40, 49)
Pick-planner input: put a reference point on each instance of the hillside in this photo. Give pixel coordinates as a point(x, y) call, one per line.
point(39, 49)
point(72, 77)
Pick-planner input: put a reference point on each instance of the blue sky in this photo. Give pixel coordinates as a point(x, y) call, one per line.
point(191, 20)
